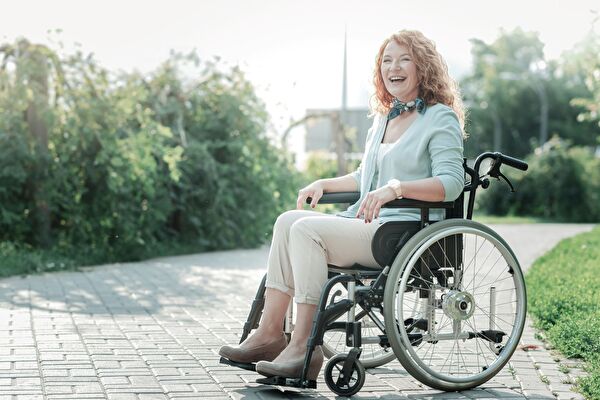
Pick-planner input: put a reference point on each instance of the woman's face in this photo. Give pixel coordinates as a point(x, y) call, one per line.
point(399, 72)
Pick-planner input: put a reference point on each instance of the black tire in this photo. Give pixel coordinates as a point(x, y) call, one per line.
point(334, 366)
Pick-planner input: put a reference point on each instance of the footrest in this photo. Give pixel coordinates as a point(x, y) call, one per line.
point(247, 366)
point(291, 382)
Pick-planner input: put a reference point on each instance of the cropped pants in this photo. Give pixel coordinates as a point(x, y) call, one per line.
point(304, 242)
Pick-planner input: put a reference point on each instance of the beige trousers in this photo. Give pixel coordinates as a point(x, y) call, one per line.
point(304, 242)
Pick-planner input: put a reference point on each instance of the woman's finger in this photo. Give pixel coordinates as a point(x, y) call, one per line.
point(315, 198)
point(361, 208)
point(301, 199)
point(377, 209)
point(369, 210)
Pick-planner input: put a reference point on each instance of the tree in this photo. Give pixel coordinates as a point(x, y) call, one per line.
point(517, 99)
point(36, 68)
point(496, 92)
point(585, 57)
point(110, 165)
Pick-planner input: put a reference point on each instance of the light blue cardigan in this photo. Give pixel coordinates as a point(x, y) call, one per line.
point(431, 146)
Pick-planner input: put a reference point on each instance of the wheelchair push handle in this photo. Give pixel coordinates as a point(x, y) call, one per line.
point(488, 164)
point(513, 162)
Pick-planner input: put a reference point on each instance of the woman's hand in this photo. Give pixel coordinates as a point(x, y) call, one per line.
point(314, 191)
point(372, 203)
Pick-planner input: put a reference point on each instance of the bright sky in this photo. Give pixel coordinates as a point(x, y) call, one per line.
point(291, 50)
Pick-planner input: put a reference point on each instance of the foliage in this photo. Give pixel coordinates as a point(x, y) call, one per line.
point(564, 298)
point(585, 57)
point(20, 259)
point(113, 165)
point(510, 84)
point(562, 184)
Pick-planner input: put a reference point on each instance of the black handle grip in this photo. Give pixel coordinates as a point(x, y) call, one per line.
point(337, 197)
point(513, 162)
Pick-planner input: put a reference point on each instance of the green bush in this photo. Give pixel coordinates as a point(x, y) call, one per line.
point(562, 184)
point(590, 386)
point(119, 166)
point(564, 299)
point(18, 258)
point(577, 334)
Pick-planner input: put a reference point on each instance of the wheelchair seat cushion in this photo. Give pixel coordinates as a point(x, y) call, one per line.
point(390, 238)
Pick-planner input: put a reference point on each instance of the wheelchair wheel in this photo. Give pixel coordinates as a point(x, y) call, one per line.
point(372, 325)
point(455, 305)
point(334, 376)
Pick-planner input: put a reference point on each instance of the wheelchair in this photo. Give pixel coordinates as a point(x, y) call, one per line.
point(449, 301)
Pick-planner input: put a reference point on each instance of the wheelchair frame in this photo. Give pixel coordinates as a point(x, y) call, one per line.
point(387, 246)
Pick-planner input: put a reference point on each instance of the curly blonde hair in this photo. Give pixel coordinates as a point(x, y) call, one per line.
point(435, 84)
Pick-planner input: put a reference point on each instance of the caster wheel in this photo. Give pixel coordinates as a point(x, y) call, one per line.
point(334, 376)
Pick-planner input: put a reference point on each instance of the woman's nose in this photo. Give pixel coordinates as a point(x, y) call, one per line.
point(396, 65)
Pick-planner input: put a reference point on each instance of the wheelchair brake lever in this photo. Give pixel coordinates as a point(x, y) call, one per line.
point(501, 176)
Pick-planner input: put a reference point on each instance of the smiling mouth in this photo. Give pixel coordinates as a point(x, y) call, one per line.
point(395, 79)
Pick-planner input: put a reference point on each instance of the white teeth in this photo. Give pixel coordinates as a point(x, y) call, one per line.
point(396, 78)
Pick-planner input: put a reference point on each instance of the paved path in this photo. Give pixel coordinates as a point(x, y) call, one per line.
point(150, 330)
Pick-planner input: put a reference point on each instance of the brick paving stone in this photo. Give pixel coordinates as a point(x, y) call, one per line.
point(151, 330)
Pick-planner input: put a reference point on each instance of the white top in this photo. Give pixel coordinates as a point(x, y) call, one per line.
point(383, 149)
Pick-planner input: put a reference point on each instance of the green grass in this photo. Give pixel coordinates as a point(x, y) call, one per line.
point(506, 219)
point(564, 300)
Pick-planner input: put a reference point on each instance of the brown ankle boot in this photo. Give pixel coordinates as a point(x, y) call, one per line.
point(293, 369)
point(266, 352)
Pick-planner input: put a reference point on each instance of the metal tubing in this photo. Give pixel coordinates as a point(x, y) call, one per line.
point(316, 334)
point(431, 306)
point(351, 312)
point(255, 310)
point(492, 313)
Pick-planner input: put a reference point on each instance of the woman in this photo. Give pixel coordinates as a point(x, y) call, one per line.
point(414, 150)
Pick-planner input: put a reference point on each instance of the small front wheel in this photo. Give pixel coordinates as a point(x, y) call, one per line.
point(341, 383)
point(372, 326)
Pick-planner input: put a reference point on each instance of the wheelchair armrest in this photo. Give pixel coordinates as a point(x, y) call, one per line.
point(410, 203)
point(352, 197)
point(337, 197)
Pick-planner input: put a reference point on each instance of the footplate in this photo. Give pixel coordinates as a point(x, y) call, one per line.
point(291, 382)
point(247, 366)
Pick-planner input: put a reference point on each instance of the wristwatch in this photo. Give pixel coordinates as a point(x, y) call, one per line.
point(396, 187)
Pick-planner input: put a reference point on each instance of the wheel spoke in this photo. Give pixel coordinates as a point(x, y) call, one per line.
point(454, 309)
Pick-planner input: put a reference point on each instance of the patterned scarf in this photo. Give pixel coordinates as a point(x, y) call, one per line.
point(399, 107)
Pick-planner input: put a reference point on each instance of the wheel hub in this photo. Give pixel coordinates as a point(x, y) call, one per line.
point(458, 305)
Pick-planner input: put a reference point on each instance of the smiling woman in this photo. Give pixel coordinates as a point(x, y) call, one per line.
point(414, 150)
